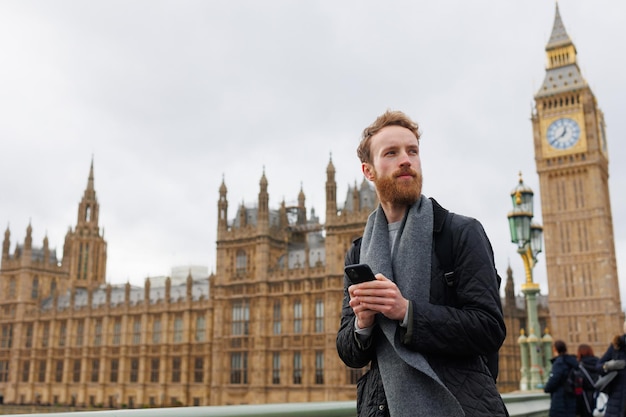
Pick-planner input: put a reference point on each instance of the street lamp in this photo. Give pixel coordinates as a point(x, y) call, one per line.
point(526, 234)
point(528, 238)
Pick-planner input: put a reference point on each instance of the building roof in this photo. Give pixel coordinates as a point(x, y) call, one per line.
point(559, 36)
point(178, 292)
point(37, 254)
point(561, 79)
point(367, 196)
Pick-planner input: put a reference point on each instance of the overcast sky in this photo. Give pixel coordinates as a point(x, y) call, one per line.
point(169, 97)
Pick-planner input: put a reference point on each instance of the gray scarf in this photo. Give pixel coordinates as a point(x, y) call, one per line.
point(411, 386)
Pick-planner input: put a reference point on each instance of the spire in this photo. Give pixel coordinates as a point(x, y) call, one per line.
point(223, 189)
point(263, 196)
point(168, 289)
point(46, 249)
point(301, 206)
point(189, 288)
point(146, 290)
point(559, 36)
point(88, 207)
point(331, 191)
point(562, 72)
point(330, 169)
point(263, 214)
point(6, 244)
point(284, 220)
point(263, 182)
point(28, 242)
point(356, 198)
point(242, 215)
point(222, 209)
point(301, 197)
point(509, 288)
point(90, 191)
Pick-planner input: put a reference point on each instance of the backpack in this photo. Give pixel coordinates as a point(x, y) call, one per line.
point(574, 381)
point(593, 399)
point(442, 241)
point(590, 375)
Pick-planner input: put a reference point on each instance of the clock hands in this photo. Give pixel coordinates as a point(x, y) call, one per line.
point(563, 133)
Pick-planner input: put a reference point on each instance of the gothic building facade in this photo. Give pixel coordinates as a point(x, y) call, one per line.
point(261, 329)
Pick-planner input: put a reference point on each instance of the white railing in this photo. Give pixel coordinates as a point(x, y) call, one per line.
point(518, 405)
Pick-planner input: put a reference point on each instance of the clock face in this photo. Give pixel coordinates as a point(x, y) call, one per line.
point(563, 133)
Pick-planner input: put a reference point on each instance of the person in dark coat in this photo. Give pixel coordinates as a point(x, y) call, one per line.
point(616, 405)
point(425, 342)
point(562, 403)
point(585, 403)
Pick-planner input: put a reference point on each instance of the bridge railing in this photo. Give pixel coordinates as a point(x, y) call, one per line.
point(518, 405)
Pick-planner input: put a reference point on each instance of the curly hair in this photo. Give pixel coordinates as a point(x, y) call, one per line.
point(619, 341)
point(389, 118)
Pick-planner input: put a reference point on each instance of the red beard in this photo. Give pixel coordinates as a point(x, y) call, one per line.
point(399, 191)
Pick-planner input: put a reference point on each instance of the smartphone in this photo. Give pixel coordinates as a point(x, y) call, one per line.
point(359, 273)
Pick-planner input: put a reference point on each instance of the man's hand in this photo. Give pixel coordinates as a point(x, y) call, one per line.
point(380, 296)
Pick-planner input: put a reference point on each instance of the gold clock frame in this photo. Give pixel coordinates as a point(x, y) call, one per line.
point(578, 147)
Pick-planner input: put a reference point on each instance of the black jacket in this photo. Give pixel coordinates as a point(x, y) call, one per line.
point(454, 331)
point(585, 403)
point(616, 406)
point(562, 404)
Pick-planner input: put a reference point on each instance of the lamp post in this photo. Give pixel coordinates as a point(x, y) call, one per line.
point(528, 237)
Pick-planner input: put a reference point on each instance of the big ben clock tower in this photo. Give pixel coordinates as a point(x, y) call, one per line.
point(572, 163)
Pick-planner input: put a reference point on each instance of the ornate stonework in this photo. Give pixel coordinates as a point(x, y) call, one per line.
point(572, 162)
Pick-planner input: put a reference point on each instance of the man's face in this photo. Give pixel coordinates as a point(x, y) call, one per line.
point(396, 169)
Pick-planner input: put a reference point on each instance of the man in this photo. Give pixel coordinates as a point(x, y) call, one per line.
point(425, 342)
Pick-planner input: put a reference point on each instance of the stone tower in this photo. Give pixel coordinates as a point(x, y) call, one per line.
point(572, 162)
point(85, 249)
point(32, 273)
point(276, 297)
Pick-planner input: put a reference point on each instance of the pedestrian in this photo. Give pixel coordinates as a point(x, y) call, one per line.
point(425, 341)
point(585, 403)
point(562, 402)
point(614, 355)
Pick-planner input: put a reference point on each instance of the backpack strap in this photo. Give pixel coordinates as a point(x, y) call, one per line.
point(584, 371)
point(442, 239)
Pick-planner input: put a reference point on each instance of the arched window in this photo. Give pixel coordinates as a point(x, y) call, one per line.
point(319, 316)
point(240, 318)
point(156, 331)
point(35, 290)
point(277, 318)
point(200, 328)
point(241, 263)
point(12, 288)
point(297, 317)
point(178, 329)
